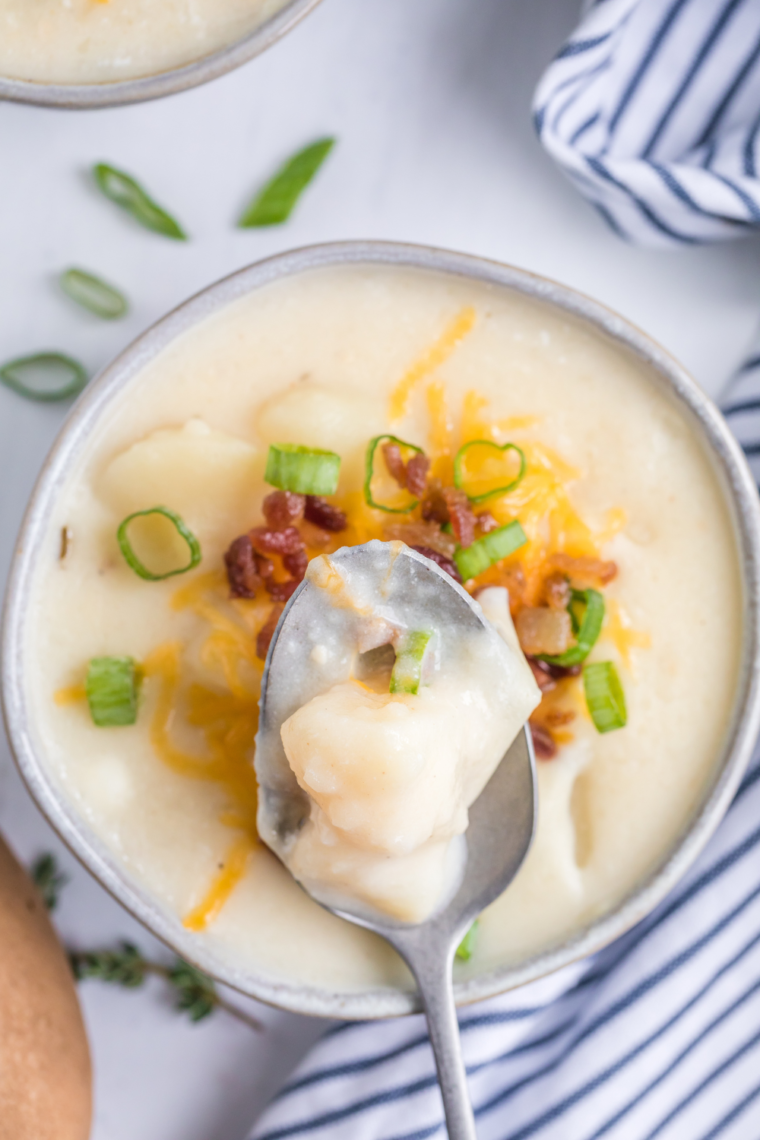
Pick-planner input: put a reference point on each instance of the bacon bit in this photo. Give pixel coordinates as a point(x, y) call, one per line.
point(440, 560)
point(541, 630)
point(243, 572)
point(394, 462)
point(314, 537)
point(557, 591)
point(557, 717)
point(283, 508)
point(416, 474)
point(281, 591)
point(461, 515)
point(434, 507)
point(296, 564)
point(266, 632)
point(586, 571)
point(542, 675)
point(559, 672)
point(544, 744)
point(324, 514)
point(266, 541)
point(421, 534)
point(486, 522)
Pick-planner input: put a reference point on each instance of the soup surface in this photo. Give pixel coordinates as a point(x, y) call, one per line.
point(617, 500)
point(105, 41)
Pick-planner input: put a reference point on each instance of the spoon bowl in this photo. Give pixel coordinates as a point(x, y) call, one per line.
point(413, 590)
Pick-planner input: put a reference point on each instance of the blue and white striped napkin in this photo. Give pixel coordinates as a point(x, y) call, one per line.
point(653, 111)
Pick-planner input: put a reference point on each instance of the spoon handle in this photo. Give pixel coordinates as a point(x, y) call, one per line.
point(437, 992)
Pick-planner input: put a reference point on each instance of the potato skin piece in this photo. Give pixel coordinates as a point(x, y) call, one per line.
point(45, 1071)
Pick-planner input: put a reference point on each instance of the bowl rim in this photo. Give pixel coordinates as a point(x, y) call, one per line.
point(740, 495)
point(87, 96)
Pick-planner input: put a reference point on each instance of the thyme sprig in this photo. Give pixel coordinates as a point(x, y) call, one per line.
point(125, 965)
point(48, 879)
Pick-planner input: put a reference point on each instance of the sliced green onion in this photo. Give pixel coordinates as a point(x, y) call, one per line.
point(586, 627)
point(466, 947)
point(94, 294)
point(46, 376)
point(182, 529)
point(276, 201)
point(369, 471)
point(410, 653)
point(604, 696)
point(112, 690)
point(305, 470)
point(459, 476)
point(492, 547)
point(120, 188)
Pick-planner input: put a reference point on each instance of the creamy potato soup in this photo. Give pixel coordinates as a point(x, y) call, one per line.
point(105, 41)
point(508, 442)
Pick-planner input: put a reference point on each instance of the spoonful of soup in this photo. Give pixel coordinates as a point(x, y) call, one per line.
point(397, 778)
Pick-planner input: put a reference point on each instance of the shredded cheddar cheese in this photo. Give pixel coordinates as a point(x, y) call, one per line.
point(70, 695)
point(617, 628)
point(231, 872)
point(432, 358)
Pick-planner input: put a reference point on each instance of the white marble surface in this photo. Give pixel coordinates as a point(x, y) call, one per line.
point(430, 100)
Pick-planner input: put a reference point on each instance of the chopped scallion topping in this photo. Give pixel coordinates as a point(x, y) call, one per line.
point(604, 696)
point(122, 189)
point(304, 470)
point(182, 530)
point(467, 945)
point(276, 201)
point(460, 477)
point(410, 653)
point(369, 473)
point(112, 690)
point(587, 614)
point(46, 377)
point(492, 547)
point(94, 294)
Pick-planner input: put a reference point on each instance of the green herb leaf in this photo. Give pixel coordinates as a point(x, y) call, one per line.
point(122, 189)
point(276, 201)
point(492, 547)
point(94, 294)
point(182, 529)
point(112, 690)
point(587, 627)
point(604, 696)
point(369, 471)
point(407, 669)
point(460, 477)
point(46, 376)
point(196, 993)
point(304, 470)
point(123, 967)
point(467, 945)
point(48, 879)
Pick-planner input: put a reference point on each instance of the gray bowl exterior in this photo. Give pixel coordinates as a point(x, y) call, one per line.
point(74, 97)
point(741, 501)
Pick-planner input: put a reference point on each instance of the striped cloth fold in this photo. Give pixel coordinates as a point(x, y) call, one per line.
point(652, 109)
point(656, 1036)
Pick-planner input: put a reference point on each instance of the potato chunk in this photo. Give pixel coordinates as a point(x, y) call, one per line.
point(212, 479)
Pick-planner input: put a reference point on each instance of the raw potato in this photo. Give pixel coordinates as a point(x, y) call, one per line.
point(192, 469)
point(45, 1074)
point(316, 415)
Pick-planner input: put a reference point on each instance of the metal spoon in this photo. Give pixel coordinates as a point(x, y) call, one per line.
point(502, 819)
